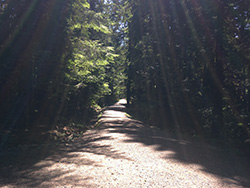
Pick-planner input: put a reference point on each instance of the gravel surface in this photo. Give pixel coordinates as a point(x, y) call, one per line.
point(122, 152)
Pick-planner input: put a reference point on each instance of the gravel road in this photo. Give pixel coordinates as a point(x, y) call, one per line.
point(122, 152)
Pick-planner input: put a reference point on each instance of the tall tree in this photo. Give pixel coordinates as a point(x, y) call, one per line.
point(182, 55)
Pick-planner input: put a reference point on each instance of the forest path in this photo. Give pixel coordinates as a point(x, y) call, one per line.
point(122, 152)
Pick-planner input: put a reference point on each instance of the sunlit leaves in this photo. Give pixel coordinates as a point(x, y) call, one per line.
point(94, 56)
point(86, 5)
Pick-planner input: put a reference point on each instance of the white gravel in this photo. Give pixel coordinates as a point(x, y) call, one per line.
point(124, 153)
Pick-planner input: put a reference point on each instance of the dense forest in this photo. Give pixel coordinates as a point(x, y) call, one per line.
point(183, 65)
point(189, 66)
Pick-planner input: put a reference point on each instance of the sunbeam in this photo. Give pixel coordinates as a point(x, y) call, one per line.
point(26, 40)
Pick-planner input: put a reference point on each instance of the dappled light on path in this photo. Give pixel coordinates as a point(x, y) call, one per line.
point(122, 152)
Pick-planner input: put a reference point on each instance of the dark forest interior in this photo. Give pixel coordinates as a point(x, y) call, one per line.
point(182, 65)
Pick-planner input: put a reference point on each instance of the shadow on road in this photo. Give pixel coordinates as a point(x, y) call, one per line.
point(53, 165)
point(219, 162)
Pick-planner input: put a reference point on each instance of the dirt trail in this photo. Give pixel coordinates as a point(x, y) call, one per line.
point(122, 152)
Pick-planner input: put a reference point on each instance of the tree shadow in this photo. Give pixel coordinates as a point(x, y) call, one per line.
point(39, 165)
point(220, 162)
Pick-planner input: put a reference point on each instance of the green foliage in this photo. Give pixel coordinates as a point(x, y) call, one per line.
point(93, 69)
point(59, 61)
point(188, 66)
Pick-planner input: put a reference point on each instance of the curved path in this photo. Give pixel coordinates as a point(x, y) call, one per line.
point(122, 152)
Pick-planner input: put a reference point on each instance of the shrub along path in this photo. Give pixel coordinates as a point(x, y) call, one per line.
point(122, 152)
